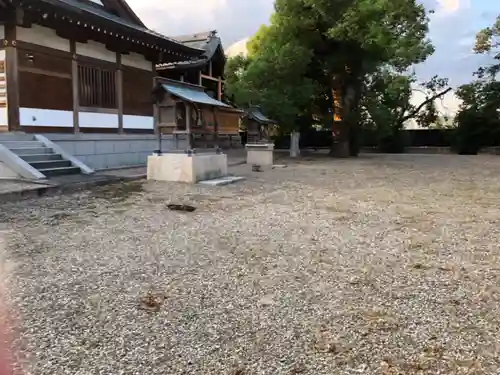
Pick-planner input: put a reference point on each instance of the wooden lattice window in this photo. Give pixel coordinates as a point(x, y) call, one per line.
point(97, 87)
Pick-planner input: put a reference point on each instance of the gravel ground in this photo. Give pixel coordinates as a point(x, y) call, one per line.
point(7, 186)
point(379, 265)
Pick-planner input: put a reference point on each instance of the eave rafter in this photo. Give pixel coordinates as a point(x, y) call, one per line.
point(116, 36)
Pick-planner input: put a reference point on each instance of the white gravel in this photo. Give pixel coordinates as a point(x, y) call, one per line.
point(380, 265)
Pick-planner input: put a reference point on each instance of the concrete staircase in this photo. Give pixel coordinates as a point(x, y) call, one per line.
point(34, 152)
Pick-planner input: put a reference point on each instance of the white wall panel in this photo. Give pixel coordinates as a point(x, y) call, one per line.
point(42, 36)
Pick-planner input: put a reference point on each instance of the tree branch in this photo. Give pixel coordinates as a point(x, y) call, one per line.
point(424, 103)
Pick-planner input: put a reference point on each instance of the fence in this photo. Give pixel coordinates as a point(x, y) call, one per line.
point(308, 139)
point(412, 138)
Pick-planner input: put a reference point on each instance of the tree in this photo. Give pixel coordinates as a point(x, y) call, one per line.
point(488, 42)
point(236, 88)
point(478, 119)
point(388, 106)
point(273, 78)
point(338, 50)
point(353, 42)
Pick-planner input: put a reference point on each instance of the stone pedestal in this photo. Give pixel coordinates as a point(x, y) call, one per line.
point(260, 154)
point(190, 168)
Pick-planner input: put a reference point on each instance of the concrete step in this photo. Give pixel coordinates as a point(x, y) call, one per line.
point(32, 151)
point(22, 144)
point(40, 157)
point(50, 164)
point(16, 137)
point(50, 172)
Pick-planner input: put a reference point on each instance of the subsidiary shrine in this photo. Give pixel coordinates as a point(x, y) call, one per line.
point(79, 76)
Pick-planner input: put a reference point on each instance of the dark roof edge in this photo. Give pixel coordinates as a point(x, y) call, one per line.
point(131, 12)
point(85, 11)
point(200, 62)
point(168, 81)
point(253, 113)
point(159, 81)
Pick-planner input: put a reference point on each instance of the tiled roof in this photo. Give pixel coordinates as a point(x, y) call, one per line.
point(99, 11)
point(255, 113)
point(198, 40)
point(192, 94)
point(208, 41)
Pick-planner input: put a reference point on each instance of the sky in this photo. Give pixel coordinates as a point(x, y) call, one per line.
point(452, 28)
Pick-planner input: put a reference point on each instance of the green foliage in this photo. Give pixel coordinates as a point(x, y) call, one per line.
point(256, 41)
point(488, 42)
point(235, 87)
point(478, 120)
point(313, 47)
point(387, 106)
point(274, 78)
point(390, 32)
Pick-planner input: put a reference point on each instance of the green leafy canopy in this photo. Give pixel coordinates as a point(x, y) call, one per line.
point(313, 47)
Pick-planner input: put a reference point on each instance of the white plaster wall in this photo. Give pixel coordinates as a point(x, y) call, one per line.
point(3, 111)
point(97, 120)
point(138, 122)
point(49, 117)
point(45, 117)
point(95, 50)
point(42, 36)
point(3, 116)
point(137, 61)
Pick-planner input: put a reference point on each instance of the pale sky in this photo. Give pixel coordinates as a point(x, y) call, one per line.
point(453, 26)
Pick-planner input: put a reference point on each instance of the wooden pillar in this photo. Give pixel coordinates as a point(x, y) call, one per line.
point(119, 90)
point(216, 127)
point(210, 68)
point(219, 89)
point(75, 85)
point(187, 113)
point(156, 106)
point(12, 76)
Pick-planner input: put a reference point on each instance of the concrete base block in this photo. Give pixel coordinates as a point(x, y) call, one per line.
point(181, 167)
point(6, 172)
point(260, 154)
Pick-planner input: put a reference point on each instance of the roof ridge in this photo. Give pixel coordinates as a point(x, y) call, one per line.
point(194, 37)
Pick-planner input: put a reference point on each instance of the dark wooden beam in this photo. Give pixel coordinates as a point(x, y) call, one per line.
point(72, 34)
point(12, 73)
point(83, 26)
point(75, 87)
point(215, 79)
point(119, 91)
point(219, 89)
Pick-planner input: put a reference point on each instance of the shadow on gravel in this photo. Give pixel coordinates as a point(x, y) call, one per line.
point(117, 193)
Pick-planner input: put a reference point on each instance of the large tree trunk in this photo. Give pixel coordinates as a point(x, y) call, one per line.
point(355, 125)
point(341, 144)
point(348, 87)
point(294, 144)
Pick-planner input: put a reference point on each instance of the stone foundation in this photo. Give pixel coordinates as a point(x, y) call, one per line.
point(105, 151)
point(260, 154)
point(183, 167)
